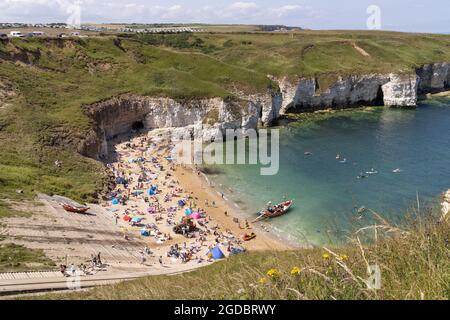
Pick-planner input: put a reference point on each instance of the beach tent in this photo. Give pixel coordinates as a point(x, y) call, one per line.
point(145, 233)
point(136, 220)
point(115, 201)
point(196, 216)
point(152, 191)
point(236, 250)
point(217, 253)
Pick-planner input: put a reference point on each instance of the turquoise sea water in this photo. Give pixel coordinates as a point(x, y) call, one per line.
point(327, 192)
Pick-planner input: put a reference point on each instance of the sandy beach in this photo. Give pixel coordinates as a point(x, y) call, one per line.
point(201, 190)
point(142, 163)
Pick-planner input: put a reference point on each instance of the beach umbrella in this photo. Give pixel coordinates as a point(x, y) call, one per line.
point(145, 233)
point(196, 216)
point(115, 201)
point(136, 220)
point(126, 218)
point(188, 211)
point(181, 203)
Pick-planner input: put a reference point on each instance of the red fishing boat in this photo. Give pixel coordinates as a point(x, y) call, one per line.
point(275, 211)
point(75, 209)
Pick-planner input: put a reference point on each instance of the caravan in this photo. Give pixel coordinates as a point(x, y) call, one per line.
point(16, 34)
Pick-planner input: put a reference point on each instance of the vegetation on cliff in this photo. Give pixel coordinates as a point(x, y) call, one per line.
point(44, 83)
point(413, 261)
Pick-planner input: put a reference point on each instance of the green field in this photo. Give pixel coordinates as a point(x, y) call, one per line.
point(48, 81)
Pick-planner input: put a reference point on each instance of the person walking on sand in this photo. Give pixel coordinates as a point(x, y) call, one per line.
point(143, 258)
point(99, 260)
point(160, 261)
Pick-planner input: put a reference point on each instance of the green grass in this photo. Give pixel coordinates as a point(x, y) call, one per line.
point(413, 261)
point(53, 78)
point(17, 258)
point(6, 211)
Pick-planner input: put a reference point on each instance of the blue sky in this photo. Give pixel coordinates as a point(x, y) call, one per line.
point(401, 15)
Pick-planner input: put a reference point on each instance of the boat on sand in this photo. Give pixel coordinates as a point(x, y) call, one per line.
point(248, 237)
point(275, 211)
point(76, 209)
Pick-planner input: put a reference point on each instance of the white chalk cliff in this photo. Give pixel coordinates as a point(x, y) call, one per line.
point(119, 114)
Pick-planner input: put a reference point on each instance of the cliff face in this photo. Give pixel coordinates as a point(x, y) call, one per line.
point(122, 114)
point(375, 89)
point(434, 77)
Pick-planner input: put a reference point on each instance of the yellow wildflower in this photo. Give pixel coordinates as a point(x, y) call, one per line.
point(295, 271)
point(273, 273)
point(343, 257)
point(325, 256)
point(263, 280)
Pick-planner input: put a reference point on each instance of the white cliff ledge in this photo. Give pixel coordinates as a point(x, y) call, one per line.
point(119, 114)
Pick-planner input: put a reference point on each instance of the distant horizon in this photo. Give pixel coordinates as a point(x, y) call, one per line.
point(395, 15)
point(225, 24)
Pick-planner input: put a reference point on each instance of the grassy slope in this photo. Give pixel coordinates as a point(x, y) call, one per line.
point(44, 121)
point(16, 258)
point(413, 261)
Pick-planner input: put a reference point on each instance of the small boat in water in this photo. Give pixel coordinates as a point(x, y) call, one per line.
point(397, 170)
point(75, 209)
point(275, 211)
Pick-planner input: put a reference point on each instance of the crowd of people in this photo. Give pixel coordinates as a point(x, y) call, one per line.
point(149, 203)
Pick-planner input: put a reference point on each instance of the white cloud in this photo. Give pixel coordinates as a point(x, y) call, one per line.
point(291, 9)
point(147, 11)
point(243, 6)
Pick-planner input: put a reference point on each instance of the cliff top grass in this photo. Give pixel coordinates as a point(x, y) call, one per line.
point(45, 81)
